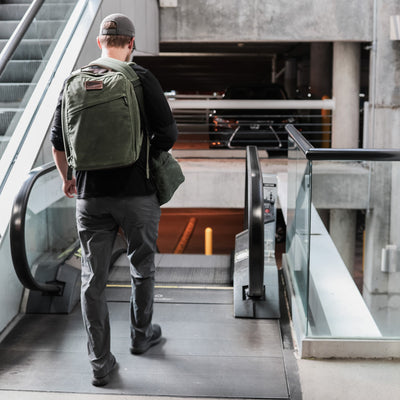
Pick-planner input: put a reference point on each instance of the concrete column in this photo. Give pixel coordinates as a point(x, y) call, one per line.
point(291, 77)
point(321, 69)
point(345, 133)
point(382, 289)
point(346, 88)
point(342, 229)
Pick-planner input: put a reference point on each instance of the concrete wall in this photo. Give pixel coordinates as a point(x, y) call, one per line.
point(267, 20)
point(144, 15)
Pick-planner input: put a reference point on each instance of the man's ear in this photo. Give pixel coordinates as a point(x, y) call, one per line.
point(98, 43)
point(132, 44)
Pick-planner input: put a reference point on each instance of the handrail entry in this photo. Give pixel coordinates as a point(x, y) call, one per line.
point(17, 235)
point(254, 222)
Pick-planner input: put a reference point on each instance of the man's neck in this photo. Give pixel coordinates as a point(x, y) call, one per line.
point(115, 52)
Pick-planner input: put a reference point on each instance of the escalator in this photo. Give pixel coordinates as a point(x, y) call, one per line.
point(40, 42)
point(20, 74)
point(205, 351)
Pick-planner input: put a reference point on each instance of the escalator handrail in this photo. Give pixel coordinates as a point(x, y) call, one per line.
point(19, 33)
point(17, 234)
point(254, 222)
point(313, 154)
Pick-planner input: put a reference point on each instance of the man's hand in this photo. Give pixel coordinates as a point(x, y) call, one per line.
point(69, 185)
point(69, 188)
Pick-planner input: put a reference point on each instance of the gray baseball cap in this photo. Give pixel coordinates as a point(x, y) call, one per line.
point(124, 26)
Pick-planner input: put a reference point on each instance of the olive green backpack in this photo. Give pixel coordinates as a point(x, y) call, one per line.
point(101, 116)
point(101, 125)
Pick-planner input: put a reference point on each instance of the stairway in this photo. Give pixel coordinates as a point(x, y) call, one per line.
point(23, 71)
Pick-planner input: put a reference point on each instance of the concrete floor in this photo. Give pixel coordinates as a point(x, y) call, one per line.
point(350, 379)
point(206, 353)
point(320, 380)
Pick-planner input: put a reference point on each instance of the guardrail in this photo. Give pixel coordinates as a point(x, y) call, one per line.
point(312, 153)
point(208, 103)
point(343, 303)
point(211, 123)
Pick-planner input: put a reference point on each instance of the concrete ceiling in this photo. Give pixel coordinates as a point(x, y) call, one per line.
point(211, 67)
point(207, 67)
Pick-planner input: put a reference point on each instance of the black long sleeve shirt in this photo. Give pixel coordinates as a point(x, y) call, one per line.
point(130, 180)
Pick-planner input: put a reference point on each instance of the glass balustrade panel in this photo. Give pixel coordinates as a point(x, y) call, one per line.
point(50, 227)
point(298, 224)
point(354, 283)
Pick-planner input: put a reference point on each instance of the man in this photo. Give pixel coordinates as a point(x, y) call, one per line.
point(113, 198)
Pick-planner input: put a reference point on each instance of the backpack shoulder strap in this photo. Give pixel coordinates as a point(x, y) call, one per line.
point(116, 65)
point(127, 70)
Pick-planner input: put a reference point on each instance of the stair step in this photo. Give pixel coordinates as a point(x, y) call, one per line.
point(21, 71)
point(30, 1)
point(11, 92)
point(55, 11)
point(3, 144)
point(6, 118)
point(10, 106)
point(16, 1)
point(39, 29)
point(181, 268)
point(12, 11)
point(15, 12)
point(30, 49)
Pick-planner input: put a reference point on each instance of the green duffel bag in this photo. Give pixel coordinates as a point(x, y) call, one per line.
point(167, 175)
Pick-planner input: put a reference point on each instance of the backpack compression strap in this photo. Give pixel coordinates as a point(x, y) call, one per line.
point(126, 69)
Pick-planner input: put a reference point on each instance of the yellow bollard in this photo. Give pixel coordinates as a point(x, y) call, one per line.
point(208, 241)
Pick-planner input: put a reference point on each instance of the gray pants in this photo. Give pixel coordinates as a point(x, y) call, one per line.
point(98, 220)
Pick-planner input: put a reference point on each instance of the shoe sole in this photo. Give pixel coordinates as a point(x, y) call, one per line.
point(141, 350)
point(103, 381)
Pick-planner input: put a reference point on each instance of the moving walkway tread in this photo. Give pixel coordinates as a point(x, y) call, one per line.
point(205, 351)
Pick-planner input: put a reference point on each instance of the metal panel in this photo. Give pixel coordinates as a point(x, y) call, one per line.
point(205, 352)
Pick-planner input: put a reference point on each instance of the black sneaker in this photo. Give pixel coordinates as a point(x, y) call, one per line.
point(104, 380)
point(155, 338)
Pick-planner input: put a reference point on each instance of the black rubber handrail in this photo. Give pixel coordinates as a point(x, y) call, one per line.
point(19, 33)
point(317, 154)
point(254, 222)
point(17, 234)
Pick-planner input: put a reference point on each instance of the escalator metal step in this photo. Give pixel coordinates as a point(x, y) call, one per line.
point(181, 268)
point(30, 49)
point(20, 71)
point(15, 12)
point(42, 29)
point(13, 93)
point(5, 120)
